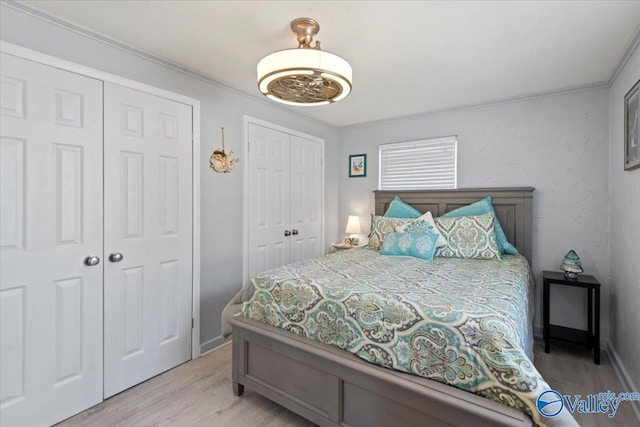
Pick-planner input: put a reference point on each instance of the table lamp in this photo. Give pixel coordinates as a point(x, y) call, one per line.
point(353, 229)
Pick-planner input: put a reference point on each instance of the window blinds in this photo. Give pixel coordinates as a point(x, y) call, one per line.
point(424, 164)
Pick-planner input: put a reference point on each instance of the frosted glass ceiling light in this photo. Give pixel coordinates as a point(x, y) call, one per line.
point(304, 75)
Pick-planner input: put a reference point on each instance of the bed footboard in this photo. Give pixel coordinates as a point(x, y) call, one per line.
point(332, 387)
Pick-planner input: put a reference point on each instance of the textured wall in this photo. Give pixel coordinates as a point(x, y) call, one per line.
point(557, 144)
point(625, 231)
point(221, 194)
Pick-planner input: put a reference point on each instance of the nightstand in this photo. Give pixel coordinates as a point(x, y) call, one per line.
point(590, 337)
point(343, 246)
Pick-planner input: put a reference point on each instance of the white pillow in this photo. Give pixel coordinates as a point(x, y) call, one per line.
point(423, 225)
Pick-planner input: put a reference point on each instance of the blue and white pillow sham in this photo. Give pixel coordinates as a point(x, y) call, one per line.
point(469, 237)
point(485, 206)
point(410, 244)
point(380, 226)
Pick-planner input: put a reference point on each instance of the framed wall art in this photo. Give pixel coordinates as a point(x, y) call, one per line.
point(632, 128)
point(357, 165)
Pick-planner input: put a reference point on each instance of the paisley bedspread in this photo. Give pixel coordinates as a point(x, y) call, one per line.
point(462, 322)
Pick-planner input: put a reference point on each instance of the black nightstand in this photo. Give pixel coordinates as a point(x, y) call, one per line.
point(590, 337)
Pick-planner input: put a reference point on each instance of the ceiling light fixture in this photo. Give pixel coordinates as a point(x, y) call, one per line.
point(305, 75)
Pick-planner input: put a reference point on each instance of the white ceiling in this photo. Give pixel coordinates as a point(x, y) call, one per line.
point(408, 57)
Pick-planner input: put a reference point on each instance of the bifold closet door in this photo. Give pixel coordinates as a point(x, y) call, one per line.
point(285, 198)
point(148, 236)
point(269, 176)
point(51, 228)
point(306, 199)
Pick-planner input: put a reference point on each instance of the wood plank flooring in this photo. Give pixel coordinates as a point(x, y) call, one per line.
point(198, 393)
point(569, 369)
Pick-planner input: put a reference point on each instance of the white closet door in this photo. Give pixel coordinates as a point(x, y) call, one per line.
point(51, 220)
point(269, 203)
point(306, 199)
point(148, 221)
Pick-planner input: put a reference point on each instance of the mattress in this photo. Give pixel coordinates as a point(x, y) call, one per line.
point(462, 322)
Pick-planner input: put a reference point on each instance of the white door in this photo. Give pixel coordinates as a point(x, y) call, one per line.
point(284, 200)
point(148, 222)
point(51, 220)
point(268, 165)
point(306, 199)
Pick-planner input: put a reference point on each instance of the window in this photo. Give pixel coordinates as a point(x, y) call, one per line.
point(413, 165)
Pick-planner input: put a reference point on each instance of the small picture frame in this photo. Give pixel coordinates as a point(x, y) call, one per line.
point(357, 165)
point(632, 128)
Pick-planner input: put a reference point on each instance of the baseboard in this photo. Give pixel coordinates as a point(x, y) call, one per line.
point(537, 333)
point(224, 344)
point(624, 377)
point(212, 344)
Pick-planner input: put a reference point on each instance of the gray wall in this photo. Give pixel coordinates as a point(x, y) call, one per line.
point(625, 232)
point(557, 144)
point(221, 194)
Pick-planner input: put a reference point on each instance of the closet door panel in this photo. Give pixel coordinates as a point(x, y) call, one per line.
point(148, 223)
point(269, 199)
point(51, 217)
point(306, 198)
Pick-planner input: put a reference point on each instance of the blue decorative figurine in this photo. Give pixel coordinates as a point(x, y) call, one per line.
point(571, 265)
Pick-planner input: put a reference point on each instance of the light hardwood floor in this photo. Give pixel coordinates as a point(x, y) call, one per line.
point(569, 369)
point(198, 393)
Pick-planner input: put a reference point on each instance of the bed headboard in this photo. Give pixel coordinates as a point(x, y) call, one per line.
point(513, 207)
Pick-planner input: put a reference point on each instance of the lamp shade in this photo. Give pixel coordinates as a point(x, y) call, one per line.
point(353, 225)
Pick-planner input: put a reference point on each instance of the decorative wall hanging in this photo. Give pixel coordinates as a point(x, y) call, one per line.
point(632, 128)
point(571, 265)
point(357, 165)
point(221, 160)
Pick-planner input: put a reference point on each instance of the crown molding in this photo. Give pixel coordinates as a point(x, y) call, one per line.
point(86, 32)
point(628, 52)
point(494, 102)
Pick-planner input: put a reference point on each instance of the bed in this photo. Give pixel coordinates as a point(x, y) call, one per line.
point(331, 386)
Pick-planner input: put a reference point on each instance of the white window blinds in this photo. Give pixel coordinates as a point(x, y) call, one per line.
point(424, 164)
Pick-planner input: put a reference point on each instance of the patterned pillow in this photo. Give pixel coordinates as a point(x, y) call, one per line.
point(423, 225)
point(485, 206)
point(410, 244)
point(399, 209)
point(381, 225)
point(469, 237)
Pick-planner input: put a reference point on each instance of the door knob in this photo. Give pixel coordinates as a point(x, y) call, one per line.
point(91, 260)
point(287, 233)
point(294, 232)
point(115, 257)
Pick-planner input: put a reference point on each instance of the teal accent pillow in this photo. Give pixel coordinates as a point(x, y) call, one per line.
point(410, 244)
point(469, 237)
point(399, 209)
point(380, 227)
point(485, 206)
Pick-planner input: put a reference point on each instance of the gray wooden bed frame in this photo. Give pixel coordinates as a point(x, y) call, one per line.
point(333, 387)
